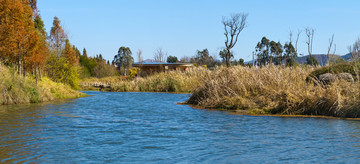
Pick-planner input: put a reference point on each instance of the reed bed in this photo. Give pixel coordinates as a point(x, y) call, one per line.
point(276, 90)
point(175, 81)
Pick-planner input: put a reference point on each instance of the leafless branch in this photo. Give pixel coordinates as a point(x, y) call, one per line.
point(331, 41)
point(233, 27)
point(160, 55)
point(310, 37)
point(297, 39)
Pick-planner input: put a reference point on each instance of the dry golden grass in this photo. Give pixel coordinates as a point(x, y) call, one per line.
point(277, 90)
point(104, 80)
point(266, 90)
point(175, 81)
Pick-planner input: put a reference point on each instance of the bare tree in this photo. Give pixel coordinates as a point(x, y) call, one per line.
point(297, 40)
point(185, 59)
point(233, 26)
point(331, 41)
point(140, 58)
point(290, 36)
point(253, 57)
point(355, 50)
point(160, 55)
point(310, 37)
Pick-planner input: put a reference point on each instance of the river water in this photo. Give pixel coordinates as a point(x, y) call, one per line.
point(152, 128)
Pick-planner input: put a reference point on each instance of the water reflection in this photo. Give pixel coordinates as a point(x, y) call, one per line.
point(150, 127)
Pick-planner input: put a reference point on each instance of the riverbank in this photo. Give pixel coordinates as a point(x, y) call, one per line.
point(17, 89)
point(266, 91)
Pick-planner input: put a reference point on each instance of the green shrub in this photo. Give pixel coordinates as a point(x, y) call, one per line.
point(346, 67)
point(34, 95)
point(59, 70)
point(310, 60)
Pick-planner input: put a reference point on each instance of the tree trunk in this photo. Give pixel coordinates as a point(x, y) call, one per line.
point(228, 59)
point(24, 72)
point(36, 75)
point(19, 64)
point(253, 64)
point(39, 73)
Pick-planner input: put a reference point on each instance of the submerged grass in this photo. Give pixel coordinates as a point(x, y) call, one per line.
point(15, 89)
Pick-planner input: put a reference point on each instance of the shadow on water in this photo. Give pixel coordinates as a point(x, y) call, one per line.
point(150, 127)
point(19, 123)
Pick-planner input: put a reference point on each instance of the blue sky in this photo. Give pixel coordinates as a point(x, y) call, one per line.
point(181, 27)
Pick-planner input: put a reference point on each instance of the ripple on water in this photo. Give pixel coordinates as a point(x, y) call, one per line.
point(151, 128)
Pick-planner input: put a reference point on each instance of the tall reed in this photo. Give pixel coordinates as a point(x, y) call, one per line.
point(276, 90)
point(175, 81)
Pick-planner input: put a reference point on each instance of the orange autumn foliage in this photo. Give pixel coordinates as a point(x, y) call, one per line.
point(16, 22)
point(20, 42)
point(38, 52)
point(69, 54)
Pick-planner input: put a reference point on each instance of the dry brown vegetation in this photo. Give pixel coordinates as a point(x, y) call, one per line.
point(175, 81)
point(266, 90)
point(276, 90)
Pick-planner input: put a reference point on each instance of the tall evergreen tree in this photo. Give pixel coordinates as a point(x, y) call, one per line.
point(85, 53)
point(123, 59)
point(290, 54)
point(172, 59)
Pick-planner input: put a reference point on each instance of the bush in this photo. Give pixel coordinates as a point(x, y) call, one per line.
point(310, 60)
point(59, 70)
point(34, 95)
point(346, 67)
point(104, 70)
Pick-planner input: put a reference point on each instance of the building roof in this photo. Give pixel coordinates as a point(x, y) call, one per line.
point(163, 64)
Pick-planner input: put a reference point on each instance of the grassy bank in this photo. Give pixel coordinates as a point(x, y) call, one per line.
point(276, 90)
point(15, 89)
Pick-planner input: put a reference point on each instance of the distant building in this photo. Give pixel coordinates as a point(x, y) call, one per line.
point(154, 67)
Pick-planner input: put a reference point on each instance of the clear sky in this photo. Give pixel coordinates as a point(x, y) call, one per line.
point(181, 27)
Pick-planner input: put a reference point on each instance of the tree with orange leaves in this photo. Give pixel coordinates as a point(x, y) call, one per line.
point(15, 31)
point(38, 52)
point(22, 39)
point(69, 54)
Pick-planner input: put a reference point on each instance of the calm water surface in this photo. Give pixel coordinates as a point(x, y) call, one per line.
point(151, 128)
